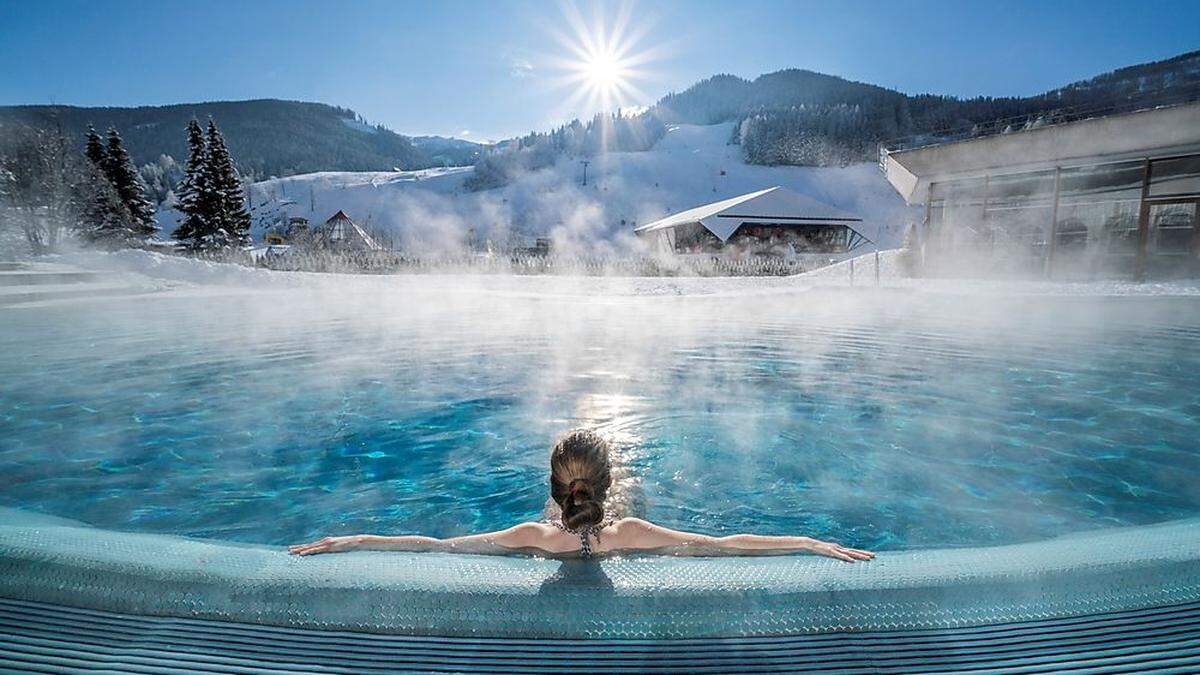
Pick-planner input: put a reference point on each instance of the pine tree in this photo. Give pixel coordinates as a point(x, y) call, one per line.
point(95, 148)
point(125, 180)
point(192, 190)
point(228, 198)
point(104, 218)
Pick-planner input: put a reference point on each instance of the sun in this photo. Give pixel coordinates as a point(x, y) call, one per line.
point(603, 62)
point(603, 71)
point(604, 76)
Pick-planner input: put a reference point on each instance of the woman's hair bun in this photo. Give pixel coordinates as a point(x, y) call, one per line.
point(580, 477)
point(583, 514)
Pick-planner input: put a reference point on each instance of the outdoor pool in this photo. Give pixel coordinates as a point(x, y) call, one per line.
point(1024, 464)
point(889, 420)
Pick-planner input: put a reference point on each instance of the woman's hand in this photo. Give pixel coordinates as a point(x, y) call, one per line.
point(832, 550)
point(327, 545)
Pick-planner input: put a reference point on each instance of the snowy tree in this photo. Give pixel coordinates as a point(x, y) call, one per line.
point(104, 218)
point(160, 177)
point(228, 202)
point(192, 195)
point(39, 173)
point(211, 195)
point(811, 134)
point(125, 180)
point(604, 133)
point(94, 149)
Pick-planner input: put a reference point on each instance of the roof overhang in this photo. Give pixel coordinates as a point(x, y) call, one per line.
point(1173, 130)
point(724, 226)
point(773, 207)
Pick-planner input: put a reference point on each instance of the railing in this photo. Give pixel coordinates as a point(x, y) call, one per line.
point(396, 262)
point(1160, 98)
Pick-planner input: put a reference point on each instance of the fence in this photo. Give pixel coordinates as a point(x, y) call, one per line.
point(397, 262)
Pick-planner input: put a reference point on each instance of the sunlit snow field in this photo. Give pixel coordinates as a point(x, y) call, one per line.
point(432, 211)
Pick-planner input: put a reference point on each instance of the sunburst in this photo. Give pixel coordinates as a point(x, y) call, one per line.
point(605, 63)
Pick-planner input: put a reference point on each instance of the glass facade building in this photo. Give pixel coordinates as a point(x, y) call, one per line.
point(1111, 195)
point(1132, 218)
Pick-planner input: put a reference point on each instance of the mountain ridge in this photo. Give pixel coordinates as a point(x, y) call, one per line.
point(791, 116)
point(802, 117)
point(267, 136)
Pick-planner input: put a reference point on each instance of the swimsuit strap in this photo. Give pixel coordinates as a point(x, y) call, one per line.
point(585, 545)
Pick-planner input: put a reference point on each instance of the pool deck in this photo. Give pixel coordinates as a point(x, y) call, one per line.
point(80, 579)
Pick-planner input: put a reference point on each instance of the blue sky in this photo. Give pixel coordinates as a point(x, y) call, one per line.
point(497, 68)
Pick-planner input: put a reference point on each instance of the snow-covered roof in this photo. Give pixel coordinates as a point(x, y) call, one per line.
point(774, 205)
point(340, 215)
point(341, 232)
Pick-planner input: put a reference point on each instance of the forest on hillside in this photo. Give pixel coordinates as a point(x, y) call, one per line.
point(806, 118)
point(799, 117)
point(614, 132)
point(269, 137)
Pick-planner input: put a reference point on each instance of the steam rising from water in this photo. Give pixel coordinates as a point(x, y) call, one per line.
point(881, 419)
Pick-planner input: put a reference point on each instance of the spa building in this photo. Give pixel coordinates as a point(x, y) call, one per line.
point(774, 221)
point(1067, 196)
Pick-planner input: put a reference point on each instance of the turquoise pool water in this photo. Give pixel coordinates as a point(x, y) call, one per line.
point(887, 420)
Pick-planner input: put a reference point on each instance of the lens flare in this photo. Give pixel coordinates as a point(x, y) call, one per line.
point(602, 61)
point(603, 71)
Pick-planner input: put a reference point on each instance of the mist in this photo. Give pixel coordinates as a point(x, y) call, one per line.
point(880, 417)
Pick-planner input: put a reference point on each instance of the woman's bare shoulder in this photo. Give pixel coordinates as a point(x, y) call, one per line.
point(628, 532)
point(534, 535)
point(531, 532)
point(632, 524)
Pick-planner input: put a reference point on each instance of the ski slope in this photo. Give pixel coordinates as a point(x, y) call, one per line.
point(690, 166)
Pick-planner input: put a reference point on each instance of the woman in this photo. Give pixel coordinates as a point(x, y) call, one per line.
point(580, 479)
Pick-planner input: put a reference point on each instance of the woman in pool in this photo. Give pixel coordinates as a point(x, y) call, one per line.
point(583, 520)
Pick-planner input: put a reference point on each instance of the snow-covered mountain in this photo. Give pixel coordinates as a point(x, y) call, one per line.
point(690, 166)
point(448, 150)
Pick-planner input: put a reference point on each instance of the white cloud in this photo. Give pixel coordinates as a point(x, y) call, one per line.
point(520, 68)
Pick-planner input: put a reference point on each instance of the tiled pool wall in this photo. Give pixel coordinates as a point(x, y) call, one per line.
point(75, 598)
point(55, 561)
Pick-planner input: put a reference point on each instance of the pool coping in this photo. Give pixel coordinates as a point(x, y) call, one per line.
point(52, 560)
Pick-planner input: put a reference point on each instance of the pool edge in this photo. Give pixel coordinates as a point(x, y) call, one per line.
point(54, 561)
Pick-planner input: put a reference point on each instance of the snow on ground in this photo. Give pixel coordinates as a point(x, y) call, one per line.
point(691, 165)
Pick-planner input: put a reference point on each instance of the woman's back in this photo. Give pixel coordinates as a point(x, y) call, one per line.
point(591, 509)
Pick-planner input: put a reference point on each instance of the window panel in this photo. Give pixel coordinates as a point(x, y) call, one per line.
point(1177, 176)
point(1021, 190)
point(1099, 205)
point(1172, 228)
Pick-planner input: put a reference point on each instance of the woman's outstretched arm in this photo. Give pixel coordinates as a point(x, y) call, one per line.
point(525, 535)
point(638, 534)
